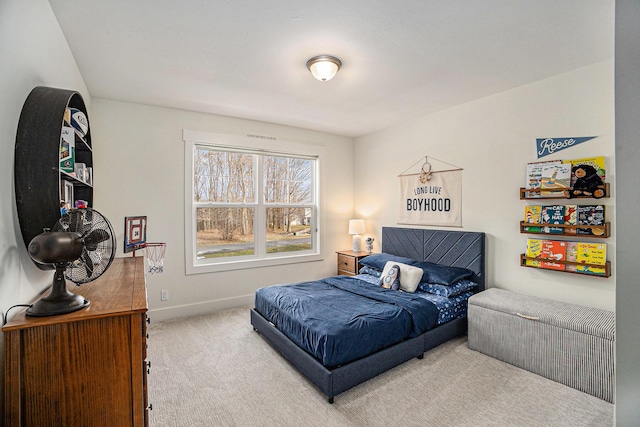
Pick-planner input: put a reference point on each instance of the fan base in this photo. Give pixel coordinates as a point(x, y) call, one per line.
point(60, 304)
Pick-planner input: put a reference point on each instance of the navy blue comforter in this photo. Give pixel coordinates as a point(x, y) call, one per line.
point(340, 319)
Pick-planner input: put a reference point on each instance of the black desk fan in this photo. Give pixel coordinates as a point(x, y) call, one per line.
point(81, 246)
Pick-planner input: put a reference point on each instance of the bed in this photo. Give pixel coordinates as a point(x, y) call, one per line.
point(399, 325)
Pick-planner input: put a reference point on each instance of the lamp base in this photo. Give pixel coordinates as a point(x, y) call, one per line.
point(356, 243)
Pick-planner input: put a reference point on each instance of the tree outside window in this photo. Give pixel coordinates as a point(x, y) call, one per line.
point(253, 205)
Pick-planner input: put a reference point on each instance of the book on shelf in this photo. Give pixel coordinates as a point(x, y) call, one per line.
point(596, 162)
point(534, 176)
point(534, 249)
point(67, 149)
point(590, 215)
point(570, 218)
point(546, 252)
point(591, 253)
point(553, 250)
point(572, 256)
point(555, 177)
point(553, 215)
point(532, 215)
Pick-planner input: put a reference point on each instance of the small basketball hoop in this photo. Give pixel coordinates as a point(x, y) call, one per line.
point(154, 253)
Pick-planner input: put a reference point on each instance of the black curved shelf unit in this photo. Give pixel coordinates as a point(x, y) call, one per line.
point(38, 179)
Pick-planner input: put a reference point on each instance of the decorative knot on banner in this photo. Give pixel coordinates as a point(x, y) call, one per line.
point(425, 175)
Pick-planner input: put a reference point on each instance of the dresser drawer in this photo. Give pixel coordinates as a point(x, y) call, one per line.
point(346, 264)
point(349, 262)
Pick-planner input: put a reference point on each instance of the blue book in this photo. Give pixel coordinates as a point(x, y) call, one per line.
point(553, 215)
point(590, 215)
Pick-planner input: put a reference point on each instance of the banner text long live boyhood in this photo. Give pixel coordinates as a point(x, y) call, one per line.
point(429, 205)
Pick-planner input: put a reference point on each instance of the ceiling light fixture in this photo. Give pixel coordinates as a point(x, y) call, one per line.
point(324, 67)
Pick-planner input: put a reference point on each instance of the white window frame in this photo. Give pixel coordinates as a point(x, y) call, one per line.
point(260, 145)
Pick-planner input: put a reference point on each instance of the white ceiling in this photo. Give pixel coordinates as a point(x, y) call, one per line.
point(401, 59)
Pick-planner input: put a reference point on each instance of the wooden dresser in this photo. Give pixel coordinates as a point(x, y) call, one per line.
point(86, 368)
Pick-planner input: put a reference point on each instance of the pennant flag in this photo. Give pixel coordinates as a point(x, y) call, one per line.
point(546, 146)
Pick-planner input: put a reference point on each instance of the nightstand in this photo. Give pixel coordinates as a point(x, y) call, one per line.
point(349, 262)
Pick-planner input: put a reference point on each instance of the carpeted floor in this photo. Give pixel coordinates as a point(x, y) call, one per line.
point(214, 370)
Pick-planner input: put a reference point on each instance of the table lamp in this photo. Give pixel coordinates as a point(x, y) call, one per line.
point(356, 227)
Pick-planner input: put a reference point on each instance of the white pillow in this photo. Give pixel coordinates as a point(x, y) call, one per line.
point(409, 275)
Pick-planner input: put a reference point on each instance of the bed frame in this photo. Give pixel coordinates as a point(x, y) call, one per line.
point(452, 248)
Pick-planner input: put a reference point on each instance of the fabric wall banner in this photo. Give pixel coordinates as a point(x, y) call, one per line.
point(546, 146)
point(437, 201)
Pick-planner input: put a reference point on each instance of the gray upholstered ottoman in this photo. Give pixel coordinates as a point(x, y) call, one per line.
point(568, 343)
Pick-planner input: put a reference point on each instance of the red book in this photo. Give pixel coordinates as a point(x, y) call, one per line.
point(553, 250)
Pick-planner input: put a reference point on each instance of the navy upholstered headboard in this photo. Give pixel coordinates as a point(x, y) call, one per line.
point(455, 248)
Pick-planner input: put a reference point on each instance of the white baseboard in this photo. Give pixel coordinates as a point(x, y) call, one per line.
point(189, 310)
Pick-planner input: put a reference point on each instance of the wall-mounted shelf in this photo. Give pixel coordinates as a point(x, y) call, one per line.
point(525, 191)
point(599, 231)
point(567, 219)
point(68, 177)
point(606, 266)
point(40, 183)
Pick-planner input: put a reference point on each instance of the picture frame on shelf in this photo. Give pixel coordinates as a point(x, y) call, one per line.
point(81, 172)
point(89, 175)
point(67, 194)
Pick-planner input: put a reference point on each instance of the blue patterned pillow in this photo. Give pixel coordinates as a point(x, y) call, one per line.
point(457, 288)
point(391, 278)
point(370, 271)
point(378, 261)
point(442, 274)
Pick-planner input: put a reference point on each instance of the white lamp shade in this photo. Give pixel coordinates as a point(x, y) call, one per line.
point(356, 226)
point(324, 67)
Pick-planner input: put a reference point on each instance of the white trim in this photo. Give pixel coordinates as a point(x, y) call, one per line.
point(272, 145)
point(190, 310)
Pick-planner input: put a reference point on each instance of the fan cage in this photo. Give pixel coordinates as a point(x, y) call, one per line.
point(92, 263)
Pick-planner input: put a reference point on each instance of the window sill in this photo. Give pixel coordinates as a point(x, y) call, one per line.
point(230, 265)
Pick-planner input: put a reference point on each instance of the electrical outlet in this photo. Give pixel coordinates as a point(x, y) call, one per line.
point(164, 295)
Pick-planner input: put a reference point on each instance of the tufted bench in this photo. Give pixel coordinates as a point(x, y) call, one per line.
point(567, 343)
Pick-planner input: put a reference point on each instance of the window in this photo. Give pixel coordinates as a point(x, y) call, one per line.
point(249, 206)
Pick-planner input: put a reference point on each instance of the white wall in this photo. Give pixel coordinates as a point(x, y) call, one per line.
point(139, 170)
point(492, 139)
point(33, 52)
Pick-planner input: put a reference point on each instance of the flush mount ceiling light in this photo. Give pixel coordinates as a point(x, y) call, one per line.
point(324, 67)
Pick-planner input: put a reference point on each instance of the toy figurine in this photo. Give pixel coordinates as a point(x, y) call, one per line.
point(369, 243)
